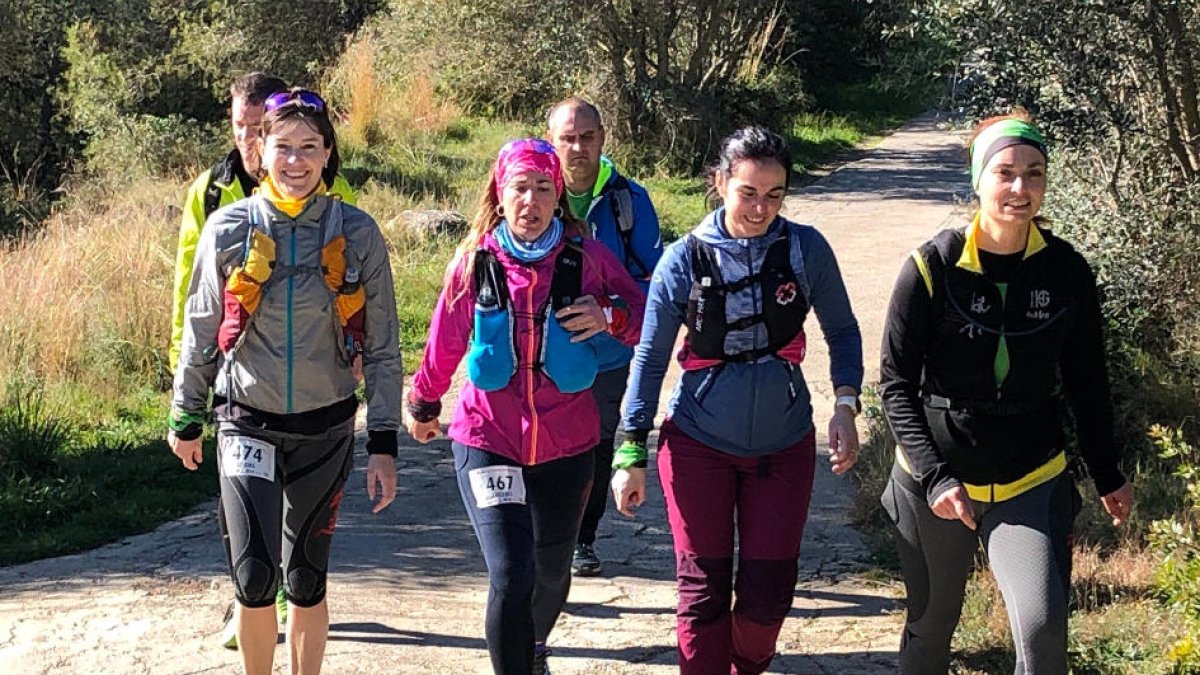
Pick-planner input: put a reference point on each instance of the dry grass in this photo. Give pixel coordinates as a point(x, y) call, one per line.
point(418, 106)
point(364, 93)
point(90, 294)
point(1101, 578)
point(1116, 626)
point(395, 107)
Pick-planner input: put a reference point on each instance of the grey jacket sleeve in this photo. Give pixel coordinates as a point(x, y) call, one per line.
point(203, 312)
point(383, 371)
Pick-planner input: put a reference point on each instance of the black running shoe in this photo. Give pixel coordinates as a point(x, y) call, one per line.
point(585, 563)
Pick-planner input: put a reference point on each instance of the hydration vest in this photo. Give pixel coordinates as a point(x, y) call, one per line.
point(492, 359)
point(258, 267)
point(784, 304)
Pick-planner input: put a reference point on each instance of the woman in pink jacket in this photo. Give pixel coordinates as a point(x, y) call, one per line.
point(531, 302)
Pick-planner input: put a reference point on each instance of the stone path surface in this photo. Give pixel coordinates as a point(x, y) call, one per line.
point(408, 586)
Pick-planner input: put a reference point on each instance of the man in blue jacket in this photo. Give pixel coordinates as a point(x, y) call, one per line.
point(621, 215)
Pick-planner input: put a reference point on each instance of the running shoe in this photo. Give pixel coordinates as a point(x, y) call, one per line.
point(540, 656)
point(281, 606)
point(585, 563)
point(229, 629)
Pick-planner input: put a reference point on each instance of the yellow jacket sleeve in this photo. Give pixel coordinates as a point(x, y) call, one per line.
point(341, 187)
point(185, 254)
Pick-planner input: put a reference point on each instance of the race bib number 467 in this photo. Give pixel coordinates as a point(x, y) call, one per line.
point(241, 456)
point(495, 485)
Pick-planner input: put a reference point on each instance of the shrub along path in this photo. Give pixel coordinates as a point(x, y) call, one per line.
point(408, 586)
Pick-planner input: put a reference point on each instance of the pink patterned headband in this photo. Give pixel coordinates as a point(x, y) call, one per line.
point(524, 155)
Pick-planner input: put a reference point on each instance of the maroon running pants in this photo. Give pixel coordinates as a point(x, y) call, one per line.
point(709, 493)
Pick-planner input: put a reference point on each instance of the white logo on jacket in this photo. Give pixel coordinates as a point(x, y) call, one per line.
point(979, 304)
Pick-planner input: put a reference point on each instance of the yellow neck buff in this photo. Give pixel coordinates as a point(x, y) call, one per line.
point(290, 206)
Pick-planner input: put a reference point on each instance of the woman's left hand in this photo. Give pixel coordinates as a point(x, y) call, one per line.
point(587, 318)
point(843, 441)
point(1119, 503)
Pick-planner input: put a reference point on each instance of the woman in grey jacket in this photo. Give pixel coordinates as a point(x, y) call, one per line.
point(738, 449)
point(290, 288)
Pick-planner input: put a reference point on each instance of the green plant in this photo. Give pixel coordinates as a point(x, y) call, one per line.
point(1177, 540)
point(31, 436)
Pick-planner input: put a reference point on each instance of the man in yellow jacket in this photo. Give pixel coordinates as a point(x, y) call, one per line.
point(233, 178)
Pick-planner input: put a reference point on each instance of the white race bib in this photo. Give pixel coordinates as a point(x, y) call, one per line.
point(242, 456)
point(495, 485)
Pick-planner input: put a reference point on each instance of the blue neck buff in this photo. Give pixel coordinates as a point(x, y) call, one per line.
point(529, 251)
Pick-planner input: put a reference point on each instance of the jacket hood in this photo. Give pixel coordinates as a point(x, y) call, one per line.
point(712, 231)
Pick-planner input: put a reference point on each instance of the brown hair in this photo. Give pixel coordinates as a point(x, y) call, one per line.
point(318, 120)
point(486, 220)
point(255, 87)
point(1016, 114)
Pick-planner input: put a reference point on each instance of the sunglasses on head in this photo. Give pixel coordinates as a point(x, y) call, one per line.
point(538, 145)
point(302, 97)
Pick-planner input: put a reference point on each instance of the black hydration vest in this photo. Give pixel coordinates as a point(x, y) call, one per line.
point(784, 305)
point(491, 286)
point(621, 200)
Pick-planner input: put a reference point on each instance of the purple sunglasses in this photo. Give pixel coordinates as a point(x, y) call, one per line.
point(303, 96)
point(540, 145)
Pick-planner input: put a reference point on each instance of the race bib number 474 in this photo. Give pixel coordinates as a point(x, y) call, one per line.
point(241, 456)
point(495, 485)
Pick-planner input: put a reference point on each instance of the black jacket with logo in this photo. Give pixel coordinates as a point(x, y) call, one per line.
point(937, 382)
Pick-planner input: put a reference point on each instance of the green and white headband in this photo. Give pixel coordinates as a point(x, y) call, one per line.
point(1003, 134)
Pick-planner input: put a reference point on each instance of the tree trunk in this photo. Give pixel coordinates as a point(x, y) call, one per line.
point(1171, 112)
point(1189, 105)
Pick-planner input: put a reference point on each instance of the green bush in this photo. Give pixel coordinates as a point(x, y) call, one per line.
point(24, 203)
point(31, 437)
point(36, 488)
point(1177, 538)
point(1144, 246)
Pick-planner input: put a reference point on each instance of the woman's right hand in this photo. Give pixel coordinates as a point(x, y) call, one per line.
point(953, 504)
point(189, 452)
point(629, 489)
point(423, 432)
point(1119, 503)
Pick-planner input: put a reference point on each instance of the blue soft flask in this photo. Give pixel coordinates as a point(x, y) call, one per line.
point(492, 359)
point(572, 366)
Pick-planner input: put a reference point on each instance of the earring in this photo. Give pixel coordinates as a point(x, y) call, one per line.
point(558, 212)
point(500, 210)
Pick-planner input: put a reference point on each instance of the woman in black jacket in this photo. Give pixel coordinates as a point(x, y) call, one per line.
point(985, 323)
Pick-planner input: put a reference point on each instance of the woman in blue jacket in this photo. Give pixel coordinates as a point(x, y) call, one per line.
point(739, 437)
